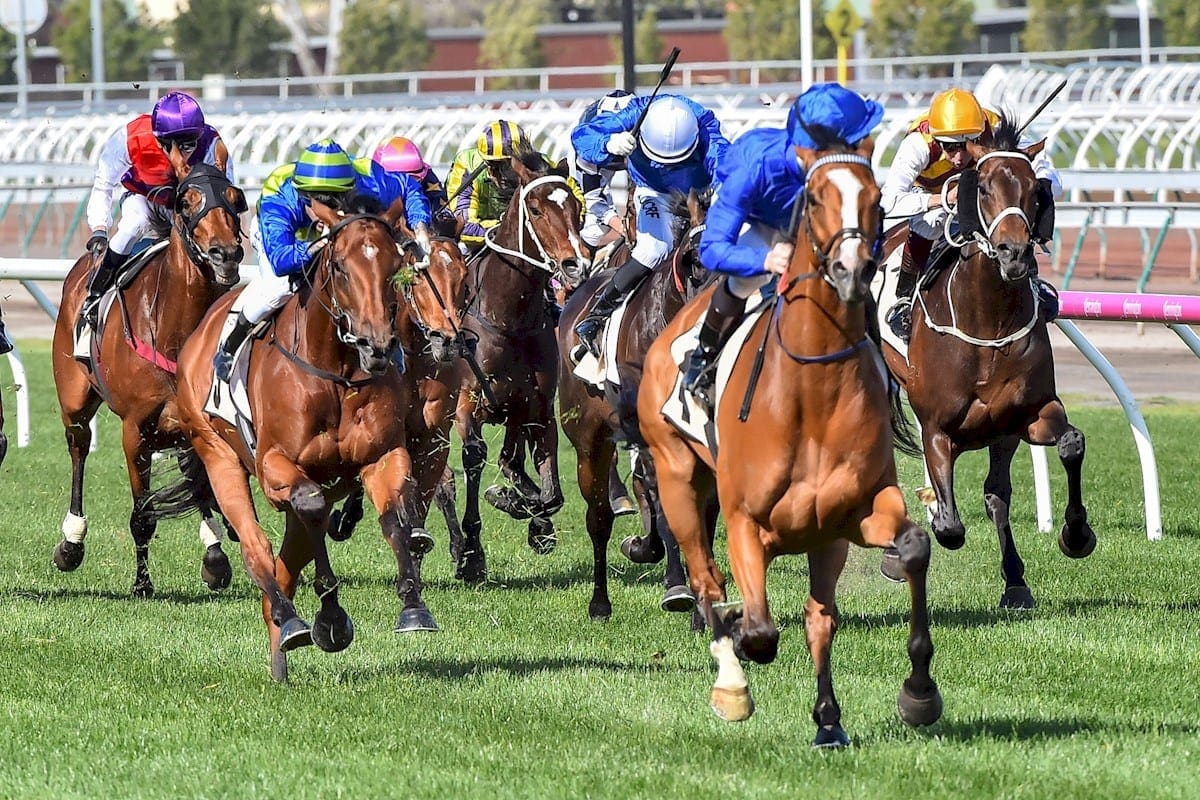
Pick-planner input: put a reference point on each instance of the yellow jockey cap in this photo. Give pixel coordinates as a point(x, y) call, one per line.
point(956, 116)
point(501, 139)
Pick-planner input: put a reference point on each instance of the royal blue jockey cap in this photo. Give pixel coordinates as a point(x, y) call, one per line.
point(842, 111)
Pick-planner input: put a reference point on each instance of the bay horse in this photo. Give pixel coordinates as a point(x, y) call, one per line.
point(140, 338)
point(509, 315)
point(811, 468)
point(980, 368)
point(329, 406)
point(594, 421)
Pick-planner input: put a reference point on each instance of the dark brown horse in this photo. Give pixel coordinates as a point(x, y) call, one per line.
point(811, 468)
point(329, 408)
point(593, 420)
point(510, 316)
point(139, 342)
point(980, 369)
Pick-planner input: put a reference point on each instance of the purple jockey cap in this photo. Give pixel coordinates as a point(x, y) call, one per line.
point(177, 114)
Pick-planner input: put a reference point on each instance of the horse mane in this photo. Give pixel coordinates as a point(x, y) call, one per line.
point(678, 204)
point(1005, 135)
point(531, 159)
point(356, 203)
point(161, 221)
point(827, 138)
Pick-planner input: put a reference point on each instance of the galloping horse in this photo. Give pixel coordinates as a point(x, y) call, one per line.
point(591, 420)
point(980, 370)
point(329, 407)
point(510, 315)
point(139, 341)
point(811, 468)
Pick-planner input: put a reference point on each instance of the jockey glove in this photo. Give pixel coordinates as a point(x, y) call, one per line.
point(97, 243)
point(621, 143)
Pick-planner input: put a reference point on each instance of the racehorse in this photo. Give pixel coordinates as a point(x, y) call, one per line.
point(329, 406)
point(510, 316)
point(811, 468)
point(591, 419)
point(980, 369)
point(138, 342)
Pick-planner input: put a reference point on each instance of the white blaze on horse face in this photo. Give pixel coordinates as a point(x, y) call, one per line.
point(850, 187)
point(559, 196)
point(370, 251)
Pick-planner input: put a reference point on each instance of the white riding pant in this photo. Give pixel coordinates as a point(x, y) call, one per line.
point(656, 226)
point(133, 224)
point(758, 236)
point(266, 292)
point(930, 225)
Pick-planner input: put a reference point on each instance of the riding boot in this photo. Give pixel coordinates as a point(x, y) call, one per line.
point(102, 280)
point(627, 278)
point(228, 347)
point(912, 264)
point(6, 345)
point(724, 313)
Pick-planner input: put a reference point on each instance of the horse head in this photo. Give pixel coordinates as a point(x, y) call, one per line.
point(212, 240)
point(548, 215)
point(357, 274)
point(840, 215)
point(997, 200)
point(690, 274)
point(435, 295)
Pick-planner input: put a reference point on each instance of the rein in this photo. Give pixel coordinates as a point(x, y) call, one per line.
point(546, 263)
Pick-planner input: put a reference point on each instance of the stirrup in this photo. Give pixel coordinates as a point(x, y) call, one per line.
point(223, 365)
point(899, 318)
point(1048, 297)
point(588, 330)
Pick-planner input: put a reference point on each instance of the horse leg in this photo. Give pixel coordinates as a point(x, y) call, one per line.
point(520, 499)
point(68, 554)
point(215, 569)
point(677, 595)
point(389, 484)
point(997, 497)
point(474, 456)
point(820, 626)
point(647, 548)
point(295, 553)
point(940, 455)
point(1077, 539)
point(141, 525)
point(543, 447)
point(470, 565)
point(618, 496)
point(920, 702)
point(594, 453)
point(757, 639)
point(343, 520)
point(332, 629)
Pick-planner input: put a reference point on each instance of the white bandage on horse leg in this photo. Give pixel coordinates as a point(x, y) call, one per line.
point(74, 528)
point(729, 669)
point(210, 532)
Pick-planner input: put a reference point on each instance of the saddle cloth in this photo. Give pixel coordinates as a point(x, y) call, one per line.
point(229, 401)
point(598, 371)
point(883, 286)
point(83, 332)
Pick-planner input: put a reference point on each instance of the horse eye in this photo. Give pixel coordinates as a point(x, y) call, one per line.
point(535, 211)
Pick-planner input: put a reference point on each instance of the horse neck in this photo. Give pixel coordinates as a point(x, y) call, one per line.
point(182, 291)
point(306, 327)
point(509, 293)
point(814, 323)
point(984, 303)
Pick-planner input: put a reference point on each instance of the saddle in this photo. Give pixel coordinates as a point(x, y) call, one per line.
point(87, 340)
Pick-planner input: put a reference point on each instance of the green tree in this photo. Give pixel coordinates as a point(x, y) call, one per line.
point(384, 36)
point(129, 39)
point(648, 46)
point(1180, 21)
point(922, 28)
point(231, 37)
point(769, 30)
point(8, 56)
point(1058, 25)
point(511, 40)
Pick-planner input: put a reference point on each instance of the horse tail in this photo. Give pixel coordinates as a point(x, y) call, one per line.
point(904, 433)
point(190, 491)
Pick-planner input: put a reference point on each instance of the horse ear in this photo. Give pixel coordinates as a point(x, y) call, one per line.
point(324, 214)
point(976, 150)
point(220, 156)
point(523, 173)
point(806, 156)
point(866, 148)
point(561, 169)
point(695, 213)
point(178, 161)
point(395, 212)
point(1034, 149)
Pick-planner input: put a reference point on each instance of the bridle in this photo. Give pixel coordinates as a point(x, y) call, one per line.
point(211, 183)
point(524, 226)
point(980, 234)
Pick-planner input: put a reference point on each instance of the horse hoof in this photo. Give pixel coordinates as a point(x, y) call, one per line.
point(215, 569)
point(508, 500)
point(143, 590)
point(542, 538)
point(340, 527)
point(294, 633)
point(1017, 598)
point(830, 737)
point(917, 711)
point(414, 620)
point(732, 705)
point(1089, 543)
point(678, 598)
point(333, 631)
point(951, 540)
point(472, 568)
point(889, 566)
point(419, 542)
point(622, 506)
point(641, 550)
point(68, 555)
point(599, 610)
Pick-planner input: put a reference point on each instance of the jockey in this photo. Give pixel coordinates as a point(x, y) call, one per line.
point(399, 154)
point(676, 149)
point(746, 234)
point(135, 157)
point(288, 239)
point(480, 173)
point(601, 224)
point(935, 149)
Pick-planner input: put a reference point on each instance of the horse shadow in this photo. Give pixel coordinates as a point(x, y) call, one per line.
point(174, 597)
point(453, 670)
point(1033, 729)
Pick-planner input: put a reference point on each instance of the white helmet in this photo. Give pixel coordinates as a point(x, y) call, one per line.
point(670, 131)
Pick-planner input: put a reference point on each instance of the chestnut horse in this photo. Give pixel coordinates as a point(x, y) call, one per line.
point(329, 407)
point(811, 468)
point(980, 369)
point(139, 341)
point(510, 316)
point(593, 421)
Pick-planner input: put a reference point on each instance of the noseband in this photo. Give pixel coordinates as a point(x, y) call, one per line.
point(523, 226)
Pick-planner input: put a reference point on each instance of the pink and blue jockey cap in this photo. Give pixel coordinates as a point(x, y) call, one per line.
point(833, 107)
point(399, 154)
point(177, 114)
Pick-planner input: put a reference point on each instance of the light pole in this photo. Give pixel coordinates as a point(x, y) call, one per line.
point(627, 54)
point(806, 59)
point(97, 12)
point(1143, 7)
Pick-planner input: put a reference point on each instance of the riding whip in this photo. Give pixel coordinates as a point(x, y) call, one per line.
point(662, 78)
point(1042, 107)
